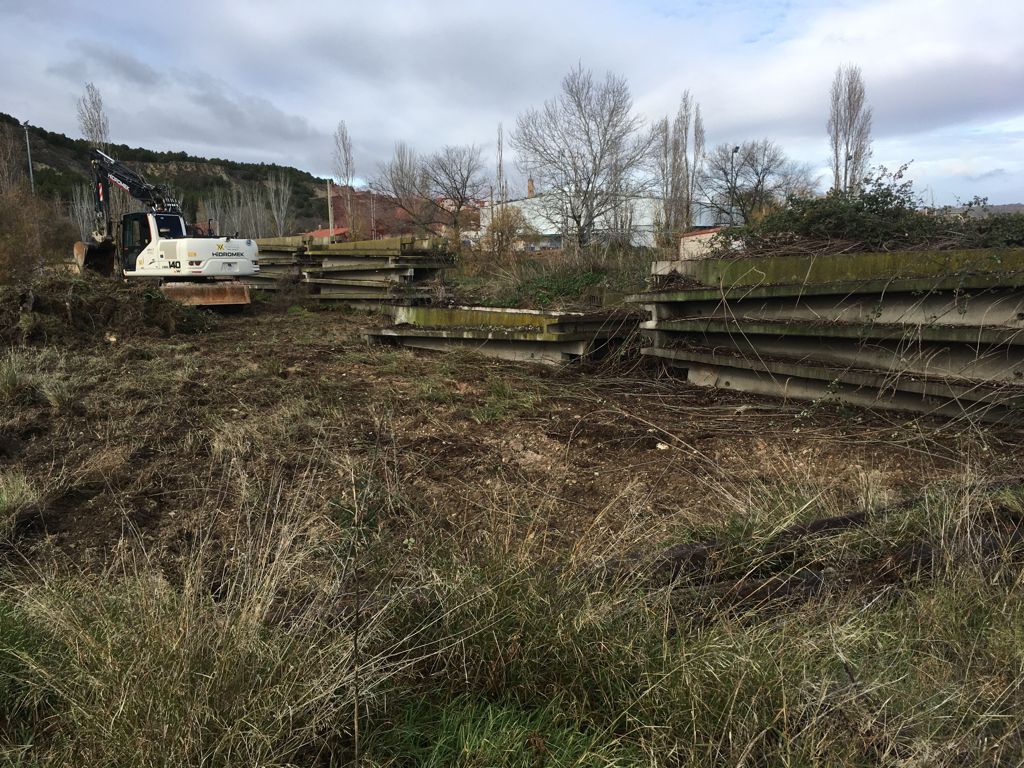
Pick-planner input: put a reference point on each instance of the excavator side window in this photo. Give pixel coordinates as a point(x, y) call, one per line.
point(134, 237)
point(169, 226)
point(144, 235)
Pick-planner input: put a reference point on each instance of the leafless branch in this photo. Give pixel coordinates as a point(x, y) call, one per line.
point(345, 168)
point(587, 150)
point(849, 129)
point(741, 183)
point(677, 167)
point(279, 196)
point(92, 120)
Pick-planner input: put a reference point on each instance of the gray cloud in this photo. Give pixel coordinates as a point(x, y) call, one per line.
point(995, 173)
point(265, 81)
point(93, 60)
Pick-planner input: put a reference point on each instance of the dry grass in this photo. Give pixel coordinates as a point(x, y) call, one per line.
point(487, 645)
point(245, 657)
point(17, 494)
point(15, 381)
point(551, 279)
point(439, 553)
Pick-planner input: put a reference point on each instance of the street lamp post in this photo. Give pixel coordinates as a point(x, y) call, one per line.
point(28, 149)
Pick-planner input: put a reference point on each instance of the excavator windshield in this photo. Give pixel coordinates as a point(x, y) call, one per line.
point(169, 226)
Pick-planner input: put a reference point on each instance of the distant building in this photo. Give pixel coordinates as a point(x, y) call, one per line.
point(373, 216)
point(696, 243)
point(337, 232)
point(635, 220)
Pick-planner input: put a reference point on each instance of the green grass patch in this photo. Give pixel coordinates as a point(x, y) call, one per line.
point(505, 397)
point(470, 733)
point(543, 291)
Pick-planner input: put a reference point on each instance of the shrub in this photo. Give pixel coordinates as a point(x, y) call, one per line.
point(886, 214)
point(33, 234)
point(55, 307)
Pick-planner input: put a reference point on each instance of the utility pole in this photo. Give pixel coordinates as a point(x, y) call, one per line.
point(373, 217)
point(28, 148)
point(330, 212)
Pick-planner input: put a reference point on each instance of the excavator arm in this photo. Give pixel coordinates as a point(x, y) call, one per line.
point(107, 170)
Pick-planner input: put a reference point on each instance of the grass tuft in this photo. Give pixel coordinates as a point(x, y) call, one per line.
point(16, 384)
point(17, 494)
point(237, 661)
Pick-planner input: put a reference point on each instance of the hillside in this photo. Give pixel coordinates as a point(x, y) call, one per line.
point(61, 163)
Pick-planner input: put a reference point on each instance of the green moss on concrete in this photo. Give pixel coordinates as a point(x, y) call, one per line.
point(806, 269)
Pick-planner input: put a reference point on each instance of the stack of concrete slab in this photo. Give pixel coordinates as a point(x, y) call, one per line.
point(511, 334)
point(928, 331)
point(361, 272)
point(396, 268)
point(281, 262)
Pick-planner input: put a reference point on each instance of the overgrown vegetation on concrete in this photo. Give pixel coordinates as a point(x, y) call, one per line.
point(556, 279)
point(886, 215)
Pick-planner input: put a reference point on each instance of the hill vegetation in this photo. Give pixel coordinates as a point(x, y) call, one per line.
point(61, 164)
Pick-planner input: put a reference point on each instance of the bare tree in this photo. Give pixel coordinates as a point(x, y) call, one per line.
point(279, 196)
point(677, 166)
point(402, 179)
point(345, 167)
point(741, 183)
point(455, 184)
point(82, 209)
point(586, 149)
point(695, 171)
point(849, 129)
point(500, 182)
point(255, 213)
point(11, 159)
point(92, 119)
point(228, 208)
point(213, 208)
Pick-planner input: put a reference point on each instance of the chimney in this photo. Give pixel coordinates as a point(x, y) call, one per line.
point(529, 187)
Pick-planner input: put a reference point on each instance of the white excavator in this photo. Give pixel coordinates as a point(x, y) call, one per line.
point(154, 245)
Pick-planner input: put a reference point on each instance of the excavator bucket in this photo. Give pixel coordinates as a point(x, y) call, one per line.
point(96, 257)
point(221, 294)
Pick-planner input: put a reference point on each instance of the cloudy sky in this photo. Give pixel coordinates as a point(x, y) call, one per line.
point(268, 81)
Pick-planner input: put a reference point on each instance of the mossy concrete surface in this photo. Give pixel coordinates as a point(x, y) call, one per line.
point(805, 269)
point(494, 317)
point(507, 332)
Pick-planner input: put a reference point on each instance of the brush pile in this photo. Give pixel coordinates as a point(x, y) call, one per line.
point(63, 308)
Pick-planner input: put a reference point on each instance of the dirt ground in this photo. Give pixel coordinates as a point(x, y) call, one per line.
point(132, 438)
